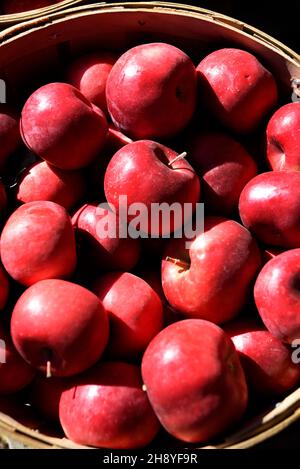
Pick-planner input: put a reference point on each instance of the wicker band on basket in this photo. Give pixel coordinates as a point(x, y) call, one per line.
point(9, 20)
point(107, 26)
point(257, 430)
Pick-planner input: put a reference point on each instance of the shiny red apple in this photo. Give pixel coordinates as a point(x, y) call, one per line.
point(38, 242)
point(42, 181)
point(270, 208)
point(59, 327)
point(194, 380)
point(68, 136)
point(277, 296)
point(151, 91)
point(212, 277)
point(135, 312)
point(266, 361)
point(283, 138)
point(147, 173)
point(108, 408)
point(236, 88)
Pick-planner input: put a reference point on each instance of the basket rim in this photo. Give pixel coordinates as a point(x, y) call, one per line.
point(270, 423)
point(226, 21)
point(26, 15)
point(288, 410)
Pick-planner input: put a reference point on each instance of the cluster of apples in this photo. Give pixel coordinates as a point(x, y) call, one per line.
point(116, 337)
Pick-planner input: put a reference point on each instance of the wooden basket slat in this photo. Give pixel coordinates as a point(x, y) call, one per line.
point(15, 18)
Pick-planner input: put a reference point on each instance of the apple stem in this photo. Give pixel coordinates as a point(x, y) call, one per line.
point(184, 265)
point(178, 157)
point(48, 372)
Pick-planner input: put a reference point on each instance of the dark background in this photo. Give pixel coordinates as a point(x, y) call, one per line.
point(279, 19)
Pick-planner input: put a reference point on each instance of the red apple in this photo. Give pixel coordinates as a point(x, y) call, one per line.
point(98, 251)
point(270, 208)
point(108, 408)
point(266, 361)
point(146, 172)
point(276, 295)
point(224, 166)
point(42, 181)
point(151, 91)
point(4, 288)
point(210, 279)
point(135, 312)
point(9, 133)
point(38, 242)
point(283, 138)
point(194, 380)
point(15, 373)
point(236, 88)
point(59, 327)
point(68, 136)
point(45, 394)
point(89, 74)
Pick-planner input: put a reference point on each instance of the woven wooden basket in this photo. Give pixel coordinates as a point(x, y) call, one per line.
point(8, 20)
point(37, 47)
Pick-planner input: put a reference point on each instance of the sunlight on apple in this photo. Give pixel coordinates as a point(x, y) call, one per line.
point(92, 391)
point(263, 192)
point(43, 103)
point(170, 354)
point(131, 70)
point(35, 304)
point(275, 277)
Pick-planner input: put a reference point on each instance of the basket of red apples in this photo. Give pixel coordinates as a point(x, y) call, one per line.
point(16, 11)
point(150, 230)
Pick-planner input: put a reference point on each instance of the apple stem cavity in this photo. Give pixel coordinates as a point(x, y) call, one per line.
point(178, 157)
point(48, 369)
